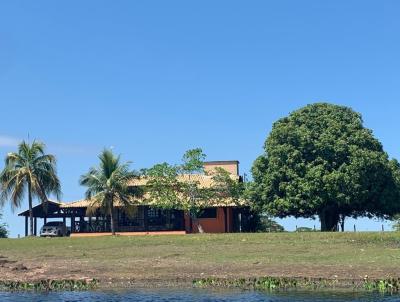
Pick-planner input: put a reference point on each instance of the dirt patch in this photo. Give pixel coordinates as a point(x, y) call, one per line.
point(20, 267)
point(4, 262)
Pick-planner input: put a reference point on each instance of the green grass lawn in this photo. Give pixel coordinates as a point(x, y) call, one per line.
point(168, 257)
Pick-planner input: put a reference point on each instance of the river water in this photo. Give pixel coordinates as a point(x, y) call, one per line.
point(195, 295)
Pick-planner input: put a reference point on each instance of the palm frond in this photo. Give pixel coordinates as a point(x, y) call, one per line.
point(108, 182)
point(12, 158)
point(18, 191)
point(96, 203)
point(29, 165)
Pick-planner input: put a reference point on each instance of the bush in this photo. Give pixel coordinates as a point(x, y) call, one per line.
point(304, 229)
point(265, 224)
point(3, 230)
point(396, 223)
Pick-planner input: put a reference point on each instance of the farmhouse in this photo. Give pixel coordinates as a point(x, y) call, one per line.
point(219, 217)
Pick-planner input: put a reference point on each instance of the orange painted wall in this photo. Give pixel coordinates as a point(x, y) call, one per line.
point(212, 225)
point(230, 166)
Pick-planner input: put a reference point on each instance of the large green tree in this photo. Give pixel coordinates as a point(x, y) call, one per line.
point(108, 184)
point(29, 170)
point(321, 160)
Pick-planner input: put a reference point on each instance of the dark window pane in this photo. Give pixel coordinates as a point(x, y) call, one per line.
point(208, 213)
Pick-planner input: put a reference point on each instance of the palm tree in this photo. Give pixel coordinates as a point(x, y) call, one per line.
point(32, 170)
point(107, 184)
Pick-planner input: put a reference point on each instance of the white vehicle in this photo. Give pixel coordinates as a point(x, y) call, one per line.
point(54, 229)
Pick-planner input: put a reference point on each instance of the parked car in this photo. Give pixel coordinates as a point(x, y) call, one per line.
point(54, 229)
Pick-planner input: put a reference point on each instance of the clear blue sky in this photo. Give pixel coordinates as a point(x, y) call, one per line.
point(155, 78)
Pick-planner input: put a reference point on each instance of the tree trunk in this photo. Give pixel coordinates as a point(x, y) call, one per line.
point(112, 217)
point(342, 218)
point(198, 225)
point(329, 220)
point(30, 208)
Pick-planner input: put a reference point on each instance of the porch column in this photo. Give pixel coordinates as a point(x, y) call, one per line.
point(226, 219)
point(65, 220)
point(45, 220)
point(145, 217)
point(26, 226)
point(35, 226)
point(72, 224)
point(82, 224)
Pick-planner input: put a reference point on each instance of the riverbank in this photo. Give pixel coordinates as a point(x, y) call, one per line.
point(164, 261)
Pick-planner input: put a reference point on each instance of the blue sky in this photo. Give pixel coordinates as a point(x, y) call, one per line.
point(155, 78)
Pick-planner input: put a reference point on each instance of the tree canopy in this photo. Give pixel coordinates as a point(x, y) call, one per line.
point(179, 186)
point(321, 160)
point(396, 223)
point(29, 170)
point(109, 183)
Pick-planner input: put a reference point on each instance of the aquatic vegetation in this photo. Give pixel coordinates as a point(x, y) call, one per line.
point(383, 286)
point(49, 285)
point(277, 283)
point(264, 283)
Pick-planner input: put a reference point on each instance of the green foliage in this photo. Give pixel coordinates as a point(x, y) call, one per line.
point(109, 183)
point(168, 189)
point(192, 161)
point(278, 283)
point(321, 160)
point(191, 192)
point(396, 223)
point(163, 185)
point(3, 230)
point(226, 187)
point(266, 224)
point(31, 170)
point(179, 186)
point(304, 229)
point(261, 283)
point(391, 285)
point(49, 285)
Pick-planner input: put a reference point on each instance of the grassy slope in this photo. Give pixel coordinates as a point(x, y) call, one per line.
point(326, 255)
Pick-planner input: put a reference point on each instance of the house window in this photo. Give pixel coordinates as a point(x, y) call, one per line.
point(208, 213)
point(153, 213)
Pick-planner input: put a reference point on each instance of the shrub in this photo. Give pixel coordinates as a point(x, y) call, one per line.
point(304, 229)
point(396, 223)
point(265, 224)
point(3, 230)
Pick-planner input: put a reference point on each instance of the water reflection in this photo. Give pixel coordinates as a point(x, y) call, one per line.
point(194, 295)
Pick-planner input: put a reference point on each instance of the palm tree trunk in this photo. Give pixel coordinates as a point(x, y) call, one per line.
point(112, 217)
point(30, 207)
